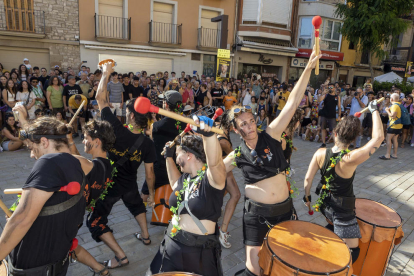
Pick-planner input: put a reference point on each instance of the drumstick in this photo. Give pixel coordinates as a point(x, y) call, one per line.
point(310, 212)
point(77, 112)
point(143, 105)
point(218, 113)
point(5, 209)
point(358, 114)
point(317, 22)
point(187, 129)
point(72, 188)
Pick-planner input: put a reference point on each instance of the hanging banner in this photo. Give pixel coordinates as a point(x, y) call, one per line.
point(408, 69)
point(223, 65)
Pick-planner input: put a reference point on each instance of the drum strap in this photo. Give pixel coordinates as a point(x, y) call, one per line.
point(49, 269)
point(131, 151)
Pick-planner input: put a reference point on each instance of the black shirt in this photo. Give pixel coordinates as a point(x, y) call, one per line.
point(329, 106)
point(137, 92)
point(43, 80)
point(199, 97)
point(93, 96)
point(270, 152)
point(69, 91)
point(127, 90)
point(204, 201)
point(126, 177)
point(50, 237)
point(163, 131)
point(217, 93)
point(98, 178)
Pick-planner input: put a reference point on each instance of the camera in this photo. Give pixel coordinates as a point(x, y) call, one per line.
point(280, 97)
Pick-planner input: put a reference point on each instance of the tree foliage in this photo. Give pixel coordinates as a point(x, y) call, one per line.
point(371, 24)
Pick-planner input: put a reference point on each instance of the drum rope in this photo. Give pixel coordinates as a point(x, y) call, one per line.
point(392, 248)
point(372, 237)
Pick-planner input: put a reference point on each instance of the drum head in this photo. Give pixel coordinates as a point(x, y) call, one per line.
point(308, 247)
point(376, 213)
point(176, 274)
point(3, 268)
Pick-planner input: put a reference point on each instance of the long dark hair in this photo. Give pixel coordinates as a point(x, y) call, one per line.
point(225, 122)
point(52, 79)
point(20, 88)
point(20, 70)
point(8, 127)
point(13, 89)
point(296, 118)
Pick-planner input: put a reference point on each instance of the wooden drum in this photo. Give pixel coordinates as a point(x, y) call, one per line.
point(381, 230)
point(161, 200)
point(4, 270)
point(176, 274)
point(303, 248)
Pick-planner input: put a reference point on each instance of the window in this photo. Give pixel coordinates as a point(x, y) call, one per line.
point(351, 46)
point(19, 15)
point(276, 12)
point(209, 65)
point(250, 11)
point(306, 32)
point(209, 33)
point(163, 12)
point(111, 8)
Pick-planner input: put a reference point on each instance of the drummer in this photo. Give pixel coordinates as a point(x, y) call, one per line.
point(337, 165)
point(39, 238)
point(191, 243)
point(261, 159)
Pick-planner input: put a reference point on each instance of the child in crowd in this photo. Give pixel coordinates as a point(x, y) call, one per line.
point(312, 131)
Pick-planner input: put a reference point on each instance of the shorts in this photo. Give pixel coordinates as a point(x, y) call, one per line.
point(344, 228)
point(255, 227)
point(406, 126)
point(5, 145)
point(306, 121)
point(384, 119)
point(394, 131)
point(367, 122)
point(117, 110)
point(327, 123)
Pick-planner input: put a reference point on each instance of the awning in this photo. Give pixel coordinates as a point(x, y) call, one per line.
point(290, 51)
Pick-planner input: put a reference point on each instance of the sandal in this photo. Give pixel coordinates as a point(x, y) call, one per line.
point(99, 273)
point(393, 157)
point(142, 239)
point(384, 158)
point(108, 263)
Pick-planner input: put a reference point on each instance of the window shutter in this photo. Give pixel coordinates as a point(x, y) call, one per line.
point(111, 7)
point(250, 10)
point(277, 11)
point(162, 13)
point(206, 16)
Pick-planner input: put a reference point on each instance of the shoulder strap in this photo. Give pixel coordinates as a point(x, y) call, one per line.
point(246, 153)
point(104, 168)
point(131, 151)
point(61, 207)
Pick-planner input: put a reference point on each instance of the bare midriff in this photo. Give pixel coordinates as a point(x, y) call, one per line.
point(268, 191)
point(187, 224)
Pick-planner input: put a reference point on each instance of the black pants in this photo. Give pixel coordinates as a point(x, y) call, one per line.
point(97, 221)
point(180, 257)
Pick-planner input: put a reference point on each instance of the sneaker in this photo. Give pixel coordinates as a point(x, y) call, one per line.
point(323, 145)
point(1, 149)
point(224, 239)
point(412, 145)
point(383, 144)
point(82, 137)
point(303, 137)
point(316, 138)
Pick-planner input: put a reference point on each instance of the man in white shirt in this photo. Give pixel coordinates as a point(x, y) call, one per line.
point(358, 102)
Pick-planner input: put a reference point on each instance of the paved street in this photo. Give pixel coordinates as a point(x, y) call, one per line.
point(390, 182)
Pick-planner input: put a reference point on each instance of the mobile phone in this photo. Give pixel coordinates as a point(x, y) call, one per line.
point(280, 97)
point(84, 61)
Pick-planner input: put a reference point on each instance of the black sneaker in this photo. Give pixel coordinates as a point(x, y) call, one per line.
point(323, 146)
point(82, 137)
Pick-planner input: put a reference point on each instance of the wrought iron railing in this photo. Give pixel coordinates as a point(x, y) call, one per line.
point(112, 27)
point(20, 20)
point(209, 38)
point(165, 33)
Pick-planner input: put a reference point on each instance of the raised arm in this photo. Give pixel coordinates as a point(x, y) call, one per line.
point(278, 125)
point(229, 162)
point(102, 93)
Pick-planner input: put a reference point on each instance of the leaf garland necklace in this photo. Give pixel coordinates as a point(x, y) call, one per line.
point(187, 185)
point(293, 190)
point(178, 110)
point(131, 128)
point(237, 153)
point(289, 141)
point(326, 188)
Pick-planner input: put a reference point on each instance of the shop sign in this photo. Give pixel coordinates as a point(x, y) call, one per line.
point(306, 53)
point(223, 53)
point(323, 65)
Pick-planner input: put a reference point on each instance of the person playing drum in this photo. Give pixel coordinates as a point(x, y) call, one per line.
point(191, 242)
point(261, 159)
point(337, 166)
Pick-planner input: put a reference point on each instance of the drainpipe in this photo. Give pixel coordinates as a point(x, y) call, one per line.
point(236, 16)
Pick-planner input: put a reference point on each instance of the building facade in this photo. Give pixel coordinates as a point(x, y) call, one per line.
point(265, 32)
point(44, 31)
point(155, 35)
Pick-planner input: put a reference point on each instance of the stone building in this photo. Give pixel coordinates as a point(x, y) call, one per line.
point(44, 31)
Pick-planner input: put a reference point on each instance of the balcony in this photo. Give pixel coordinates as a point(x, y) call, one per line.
point(18, 22)
point(208, 39)
point(397, 57)
point(165, 34)
point(112, 29)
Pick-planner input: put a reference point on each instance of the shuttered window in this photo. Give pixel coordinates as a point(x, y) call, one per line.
point(277, 12)
point(206, 16)
point(250, 11)
point(19, 15)
point(111, 8)
point(163, 13)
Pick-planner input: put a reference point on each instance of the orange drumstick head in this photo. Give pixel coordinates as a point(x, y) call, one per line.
point(317, 21)
point(72, 188)
point(143, 105)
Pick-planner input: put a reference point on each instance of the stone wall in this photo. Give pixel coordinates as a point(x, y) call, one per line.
point(65, 56)
point(61, 18)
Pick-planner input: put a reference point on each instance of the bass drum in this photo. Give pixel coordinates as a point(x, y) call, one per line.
point(4, 270)
point(302, 248)
point(176, 274)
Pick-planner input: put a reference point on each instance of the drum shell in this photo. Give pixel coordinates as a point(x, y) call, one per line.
point(376, 246)
point(4, 270)
point(271, 265)
point(176, 274)
point(164, 214)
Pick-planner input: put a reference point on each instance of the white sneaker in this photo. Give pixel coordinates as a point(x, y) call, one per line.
point(412, 145)
point(1, 149)
point(316, 138)
point(223, 239)
point(303, 137)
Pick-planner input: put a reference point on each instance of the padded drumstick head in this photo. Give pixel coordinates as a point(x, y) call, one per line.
point(74, 244)
point(217, 113)
point(187, 128)
point(317, 21)
point(357, 114)
point(310, 212)
point(143, 105)
point(72, 188)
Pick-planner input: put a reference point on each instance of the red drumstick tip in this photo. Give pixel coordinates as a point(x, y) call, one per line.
point(72, 188)
point(357, 114)
point(311, 212)
point(187, 128)
point(317, 21)
point(142, 105)
point(74, 244)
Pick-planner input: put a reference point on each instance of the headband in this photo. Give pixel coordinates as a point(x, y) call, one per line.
point(187, 149)
point(23, 135)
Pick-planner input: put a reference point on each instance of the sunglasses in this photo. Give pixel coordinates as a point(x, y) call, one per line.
point(35, 82)
point(257, 160)
point(246, 108)
point(331, 87)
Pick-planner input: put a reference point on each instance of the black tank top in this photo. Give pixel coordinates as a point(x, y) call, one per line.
point(204, 201)
point(339, 186)
point(225, 138)
point(270, 152)
point(329, 106)
point(199, 97)
point(98, 178)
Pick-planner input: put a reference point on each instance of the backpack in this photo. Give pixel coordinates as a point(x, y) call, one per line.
point(405, 116)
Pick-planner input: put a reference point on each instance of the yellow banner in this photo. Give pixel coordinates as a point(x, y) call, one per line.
point(223, 53)
point(223, 69)
point(408, 69)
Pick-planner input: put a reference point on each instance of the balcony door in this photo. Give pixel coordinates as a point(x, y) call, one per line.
point(19, 15)
point(110, 19)
point(163, 28)
point(209, 32)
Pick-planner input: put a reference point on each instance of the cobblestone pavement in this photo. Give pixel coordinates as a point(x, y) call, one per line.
point(390, 182)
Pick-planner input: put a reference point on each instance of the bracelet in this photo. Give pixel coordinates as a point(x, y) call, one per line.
point(71, 144)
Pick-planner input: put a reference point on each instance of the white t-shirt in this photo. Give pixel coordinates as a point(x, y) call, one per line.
point(247, 100)
point(355, 107)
